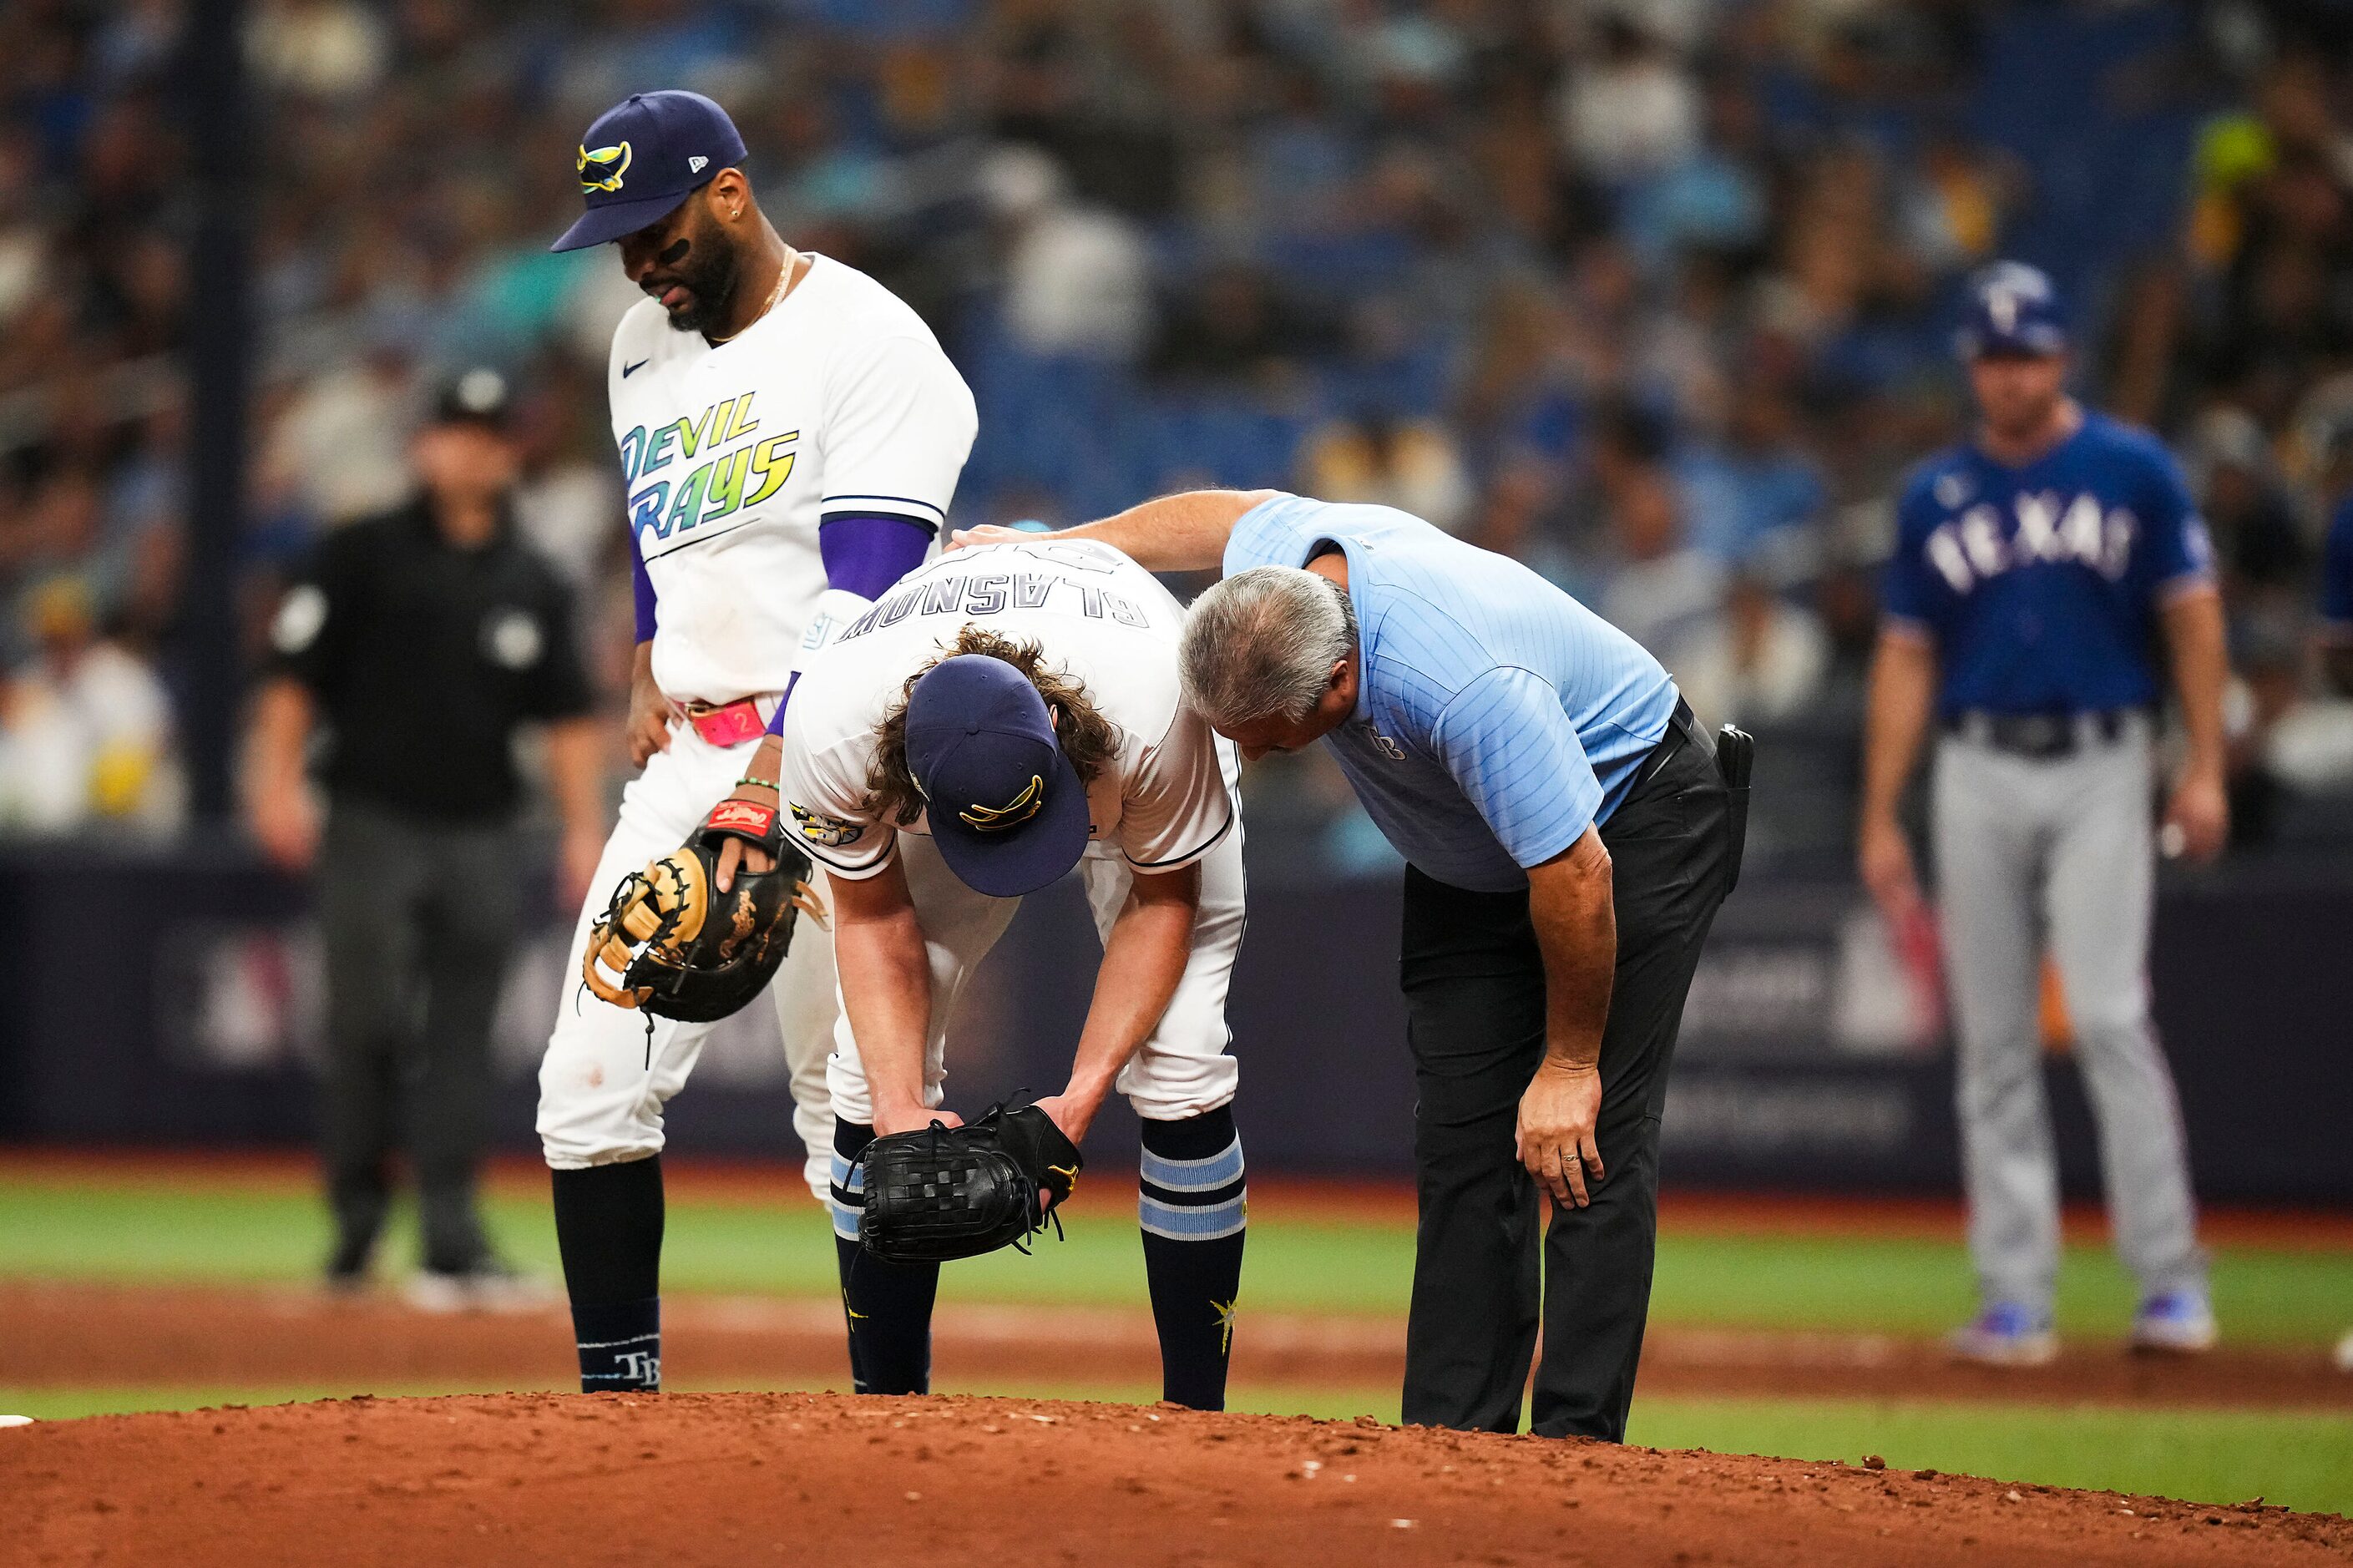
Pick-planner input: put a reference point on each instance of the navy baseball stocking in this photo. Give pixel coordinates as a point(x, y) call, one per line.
point(608, 1226)
point(888, 1306)
point(1193, 1207)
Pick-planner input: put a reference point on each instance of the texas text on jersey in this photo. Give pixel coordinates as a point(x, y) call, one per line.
point(2039, 584)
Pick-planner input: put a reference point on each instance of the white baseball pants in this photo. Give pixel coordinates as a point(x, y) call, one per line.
point(603, 1081)
point(1182, 1070)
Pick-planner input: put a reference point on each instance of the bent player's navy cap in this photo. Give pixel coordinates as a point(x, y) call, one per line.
point(1004, 805)
point(2013, 309)
point(645, 155)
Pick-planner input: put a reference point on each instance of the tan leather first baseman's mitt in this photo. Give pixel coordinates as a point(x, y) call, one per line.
point(672, 945)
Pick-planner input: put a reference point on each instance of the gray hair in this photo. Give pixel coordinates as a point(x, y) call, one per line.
point(1262, 643)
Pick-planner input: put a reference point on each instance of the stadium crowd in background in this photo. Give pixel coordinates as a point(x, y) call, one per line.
point(1655, 295)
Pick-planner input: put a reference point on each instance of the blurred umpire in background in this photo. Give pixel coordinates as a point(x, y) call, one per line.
point(2034, 567)
point(1568, 831)
point(419, 642)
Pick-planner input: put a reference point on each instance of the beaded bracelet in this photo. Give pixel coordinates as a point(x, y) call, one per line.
point(764, 784)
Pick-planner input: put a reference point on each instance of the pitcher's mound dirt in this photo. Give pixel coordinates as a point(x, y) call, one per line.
point(822, 1478)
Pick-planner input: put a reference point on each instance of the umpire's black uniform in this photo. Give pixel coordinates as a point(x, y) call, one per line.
point(1474, 991)
point(423, 656)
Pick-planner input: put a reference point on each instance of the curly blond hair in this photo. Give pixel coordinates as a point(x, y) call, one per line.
point(1087, 739)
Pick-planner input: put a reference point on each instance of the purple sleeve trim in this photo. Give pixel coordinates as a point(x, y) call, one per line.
point(865, 553)
point(643, 588)
point(777, 720)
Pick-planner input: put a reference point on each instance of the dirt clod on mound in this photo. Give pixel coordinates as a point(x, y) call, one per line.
point(797, 1478)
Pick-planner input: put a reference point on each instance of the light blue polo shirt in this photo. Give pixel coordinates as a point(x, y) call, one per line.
point(1496, 718)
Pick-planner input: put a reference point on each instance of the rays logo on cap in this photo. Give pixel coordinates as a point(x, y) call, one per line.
point(662, 147)
point(979, 733)
point(1020, 809)
point(611, 163)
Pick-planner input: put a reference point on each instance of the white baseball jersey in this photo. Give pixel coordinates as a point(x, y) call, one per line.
point(838, 401)
point(1164, 802)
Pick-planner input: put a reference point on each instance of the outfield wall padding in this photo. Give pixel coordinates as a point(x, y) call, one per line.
point(174, 998)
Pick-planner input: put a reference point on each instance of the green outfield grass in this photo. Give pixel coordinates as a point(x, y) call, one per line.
point(156, 1228)
point(188, 1226)
point(2295, 1458)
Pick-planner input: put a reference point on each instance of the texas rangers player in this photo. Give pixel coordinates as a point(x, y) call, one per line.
point(2336, 600)
point(1004, 714)
point(790, 435)
point(2031, 566)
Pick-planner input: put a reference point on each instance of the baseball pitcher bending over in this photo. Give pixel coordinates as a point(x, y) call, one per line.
point(1001, 717)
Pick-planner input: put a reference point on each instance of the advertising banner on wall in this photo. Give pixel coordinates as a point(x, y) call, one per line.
point(1814, 1050)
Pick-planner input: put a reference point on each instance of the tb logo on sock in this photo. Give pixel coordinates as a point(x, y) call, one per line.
point(643, 1367)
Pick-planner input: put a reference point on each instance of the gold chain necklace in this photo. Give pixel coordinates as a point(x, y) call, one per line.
point(783, 281)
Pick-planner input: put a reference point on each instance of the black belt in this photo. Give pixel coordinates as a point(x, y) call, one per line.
point(1733, 752)
point(2043, 737)
point(1682, 730)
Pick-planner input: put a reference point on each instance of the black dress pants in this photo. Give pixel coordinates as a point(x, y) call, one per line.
point(1474, 990)
point(419, 919)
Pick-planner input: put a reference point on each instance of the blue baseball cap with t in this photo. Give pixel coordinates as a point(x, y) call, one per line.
point(645, 155)
point(1005, 806)
point(2013, 309)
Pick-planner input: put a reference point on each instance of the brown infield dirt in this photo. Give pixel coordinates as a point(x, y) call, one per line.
point(821, 1477)
point(738, 1479)
point(64, 1335)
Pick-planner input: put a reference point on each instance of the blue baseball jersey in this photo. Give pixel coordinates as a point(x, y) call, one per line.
point(1496, 718)
point(2337, 578)
point(2040, 584)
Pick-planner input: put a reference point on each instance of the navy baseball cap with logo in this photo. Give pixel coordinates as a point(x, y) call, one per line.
point(2013, 309)
point(645, 155)
point(1005, 806)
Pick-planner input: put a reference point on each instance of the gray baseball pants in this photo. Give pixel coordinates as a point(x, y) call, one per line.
point(2060, 851)
point(418, 918)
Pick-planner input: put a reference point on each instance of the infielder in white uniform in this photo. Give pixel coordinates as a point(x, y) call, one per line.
point(1004, 714)
point(790, 435)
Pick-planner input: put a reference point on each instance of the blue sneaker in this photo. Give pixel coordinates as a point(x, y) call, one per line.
point(2005, 1335)
point(2178, 1322)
